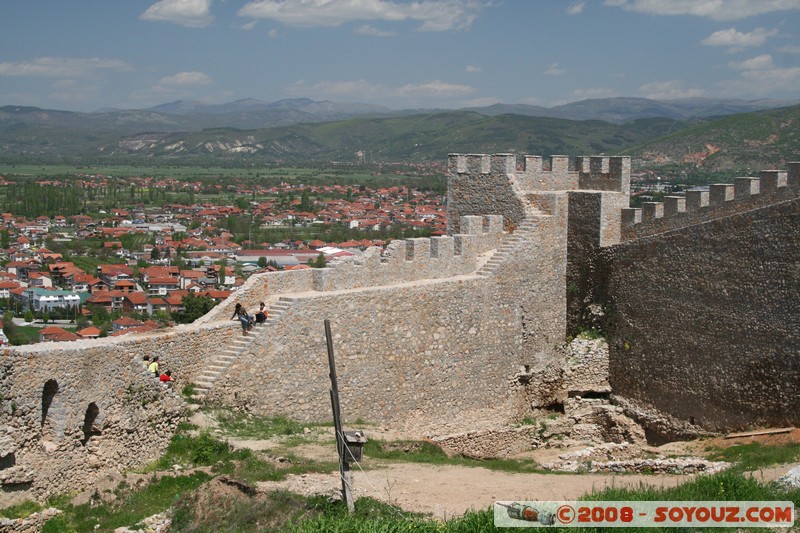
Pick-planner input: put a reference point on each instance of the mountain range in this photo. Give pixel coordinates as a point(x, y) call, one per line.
point(720, 133)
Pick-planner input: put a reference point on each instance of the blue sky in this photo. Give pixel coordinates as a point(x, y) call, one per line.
point(91, 54)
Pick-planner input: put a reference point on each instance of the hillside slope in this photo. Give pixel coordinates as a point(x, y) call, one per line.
point(760, 140)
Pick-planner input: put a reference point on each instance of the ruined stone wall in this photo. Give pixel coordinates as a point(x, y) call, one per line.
point(705, 320)
point(71, 412)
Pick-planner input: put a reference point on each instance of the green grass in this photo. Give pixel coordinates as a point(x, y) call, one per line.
point(130, 509)
point(753, 456)
point(253, 427)
point(726, 486)
point(200, 450)
point(26, 334)
point(284, 511)
point(205, 450)
point(250, 468)
point(249, 427)
point(239, 514)
point(21, 510)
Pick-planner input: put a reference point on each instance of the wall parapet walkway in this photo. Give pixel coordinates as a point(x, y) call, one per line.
point(402, 261)
point(720, 200)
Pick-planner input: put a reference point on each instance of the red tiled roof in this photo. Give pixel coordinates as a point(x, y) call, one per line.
point(127, 321)
point(51, 330)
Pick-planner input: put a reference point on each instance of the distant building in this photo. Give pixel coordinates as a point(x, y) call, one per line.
point(43, 300)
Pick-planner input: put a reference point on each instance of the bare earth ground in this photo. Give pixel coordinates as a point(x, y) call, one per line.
point(446, 491)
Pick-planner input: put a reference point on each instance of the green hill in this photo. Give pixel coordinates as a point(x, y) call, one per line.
point(759, 140)
point(755, 140)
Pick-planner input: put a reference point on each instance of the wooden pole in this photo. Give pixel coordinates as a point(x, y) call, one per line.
point(344, 467)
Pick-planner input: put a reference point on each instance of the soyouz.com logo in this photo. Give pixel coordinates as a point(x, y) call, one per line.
point(643, 514)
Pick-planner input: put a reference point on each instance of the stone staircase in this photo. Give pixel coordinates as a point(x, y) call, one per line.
point(205, 380)
point(510, 243)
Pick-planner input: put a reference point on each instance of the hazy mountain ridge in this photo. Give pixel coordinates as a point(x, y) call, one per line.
point(189, 115)
point(298, 135)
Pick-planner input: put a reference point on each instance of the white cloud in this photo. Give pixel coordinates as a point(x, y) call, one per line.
point(180, 85)
point(554, 70)
point(435, 88)
point(366, 29)
point(789, 49)
point(186, 78)
point(713, 9)
point(61, 66)
point(372, 91)
point(668, 90)
point(759, 75)
point(738, 40)
point(272, 34)
point(481, 102)
point(434, 15)
point(576, 8)
point(249, 25)
point(761, 62)
point(472, 69)
point(189, 13)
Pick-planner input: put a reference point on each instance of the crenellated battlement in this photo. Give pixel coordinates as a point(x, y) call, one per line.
point(401, 261)
point(720, 200)
point(553, 173)
point(601, 173)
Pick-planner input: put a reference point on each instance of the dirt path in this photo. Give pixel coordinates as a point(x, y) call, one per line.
point(448, 491)
point(445, 492)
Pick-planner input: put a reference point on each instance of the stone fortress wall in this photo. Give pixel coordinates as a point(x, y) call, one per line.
point(431, 335)
point(702, 304)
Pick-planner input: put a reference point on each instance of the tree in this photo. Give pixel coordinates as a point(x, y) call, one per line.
point(155, 254)
point(222, 271)
point(319, 262)
point(29, 316)
point(305, 201)
point(9, 328)
point(99, 315)
point(262, 262)
point(194, 307)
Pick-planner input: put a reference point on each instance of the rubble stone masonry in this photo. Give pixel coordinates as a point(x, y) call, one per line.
point(439, 336)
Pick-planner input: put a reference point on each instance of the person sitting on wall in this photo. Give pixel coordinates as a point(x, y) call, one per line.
point(146, 362)
point(261, 315)
point(154, 367)
point(241, 313)
point(166, 377)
